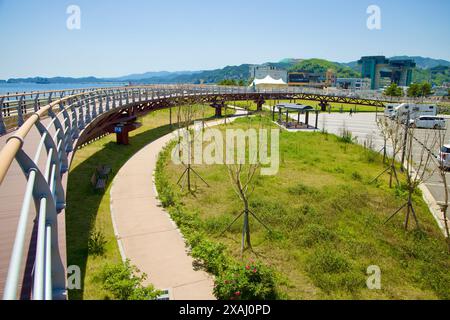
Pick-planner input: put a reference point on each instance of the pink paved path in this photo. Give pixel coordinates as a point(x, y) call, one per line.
point(146, 234)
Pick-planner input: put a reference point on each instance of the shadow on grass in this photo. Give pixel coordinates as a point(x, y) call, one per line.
point(83, 203)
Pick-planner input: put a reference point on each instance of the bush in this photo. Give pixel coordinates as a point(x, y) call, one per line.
point(124, 283)
point(211, 255)
point(347, 137)
point(327, 261)
point(331, 271)
point(96, 243)
point(251, 282)
point(356, 176)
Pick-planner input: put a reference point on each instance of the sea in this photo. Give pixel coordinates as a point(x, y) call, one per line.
point(12, 88)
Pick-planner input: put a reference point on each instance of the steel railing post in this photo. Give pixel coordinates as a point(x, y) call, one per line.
point(2, 123)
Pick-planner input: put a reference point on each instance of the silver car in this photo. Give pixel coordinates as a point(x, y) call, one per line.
point(444, 156)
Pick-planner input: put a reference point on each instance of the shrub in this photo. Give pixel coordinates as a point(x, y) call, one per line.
point(124, 283)
point(96, 243)
point(327, 261)
point(347, 137)
point(356, 176)
point(251, 282)
point(210, 255)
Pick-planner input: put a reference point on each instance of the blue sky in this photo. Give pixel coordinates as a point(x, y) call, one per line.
point(120, 37)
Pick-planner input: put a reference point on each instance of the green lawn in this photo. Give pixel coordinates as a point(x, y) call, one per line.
point(87, 210)
point(327, 220)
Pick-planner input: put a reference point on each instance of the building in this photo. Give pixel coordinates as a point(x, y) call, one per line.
point(330, 78)
point(304, 78)
point(261, 72)
point(353, 83)
point(377, 68)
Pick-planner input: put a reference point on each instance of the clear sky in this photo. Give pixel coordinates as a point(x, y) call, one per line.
point(119, 37)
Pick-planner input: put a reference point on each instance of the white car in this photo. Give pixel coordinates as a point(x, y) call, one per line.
point(444, 156)
point(428, 122)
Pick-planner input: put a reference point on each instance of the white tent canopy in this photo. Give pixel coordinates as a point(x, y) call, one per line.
point(268, 81)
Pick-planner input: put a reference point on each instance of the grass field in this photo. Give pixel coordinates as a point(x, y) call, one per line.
point(87, 210)
point(327, 221)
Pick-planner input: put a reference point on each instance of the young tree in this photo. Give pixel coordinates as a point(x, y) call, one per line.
point(185, 116)
point(443, 175)
point(413, 90)
point(393, 91)
point(419, 168)
point(393, 132)
point(242, 177)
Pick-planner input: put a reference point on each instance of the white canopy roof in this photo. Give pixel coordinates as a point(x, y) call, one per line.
point(268, 80)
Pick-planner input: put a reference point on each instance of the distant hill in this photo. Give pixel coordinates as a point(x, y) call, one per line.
point(57, 80)
point(428, 69)
point(321, 66)
point(149, 75)
point(425, 63)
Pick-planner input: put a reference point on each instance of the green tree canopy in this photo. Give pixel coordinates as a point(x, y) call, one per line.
point(393, 91)
point(420, 90)
point(232, 82)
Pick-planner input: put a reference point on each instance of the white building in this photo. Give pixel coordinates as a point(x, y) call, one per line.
point(261, 72)
point(353, 83)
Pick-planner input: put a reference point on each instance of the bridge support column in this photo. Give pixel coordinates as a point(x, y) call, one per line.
point(259, 103)
point(218, 106)
point(323, 105)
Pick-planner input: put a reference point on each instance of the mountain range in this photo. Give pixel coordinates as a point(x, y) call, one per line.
point(436, 70)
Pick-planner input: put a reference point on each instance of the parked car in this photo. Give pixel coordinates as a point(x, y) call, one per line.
point(444, 156)
point(428, 122)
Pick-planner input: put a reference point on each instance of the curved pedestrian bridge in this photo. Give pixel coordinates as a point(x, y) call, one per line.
point(39, 134)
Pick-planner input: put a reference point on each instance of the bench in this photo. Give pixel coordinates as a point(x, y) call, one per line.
point(104, 171)
point(98, 183)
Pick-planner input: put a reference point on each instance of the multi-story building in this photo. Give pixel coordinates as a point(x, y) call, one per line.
point(378, 67)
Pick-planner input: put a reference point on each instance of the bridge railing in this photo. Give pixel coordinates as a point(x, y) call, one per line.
point(16, 108)
point(68, 117)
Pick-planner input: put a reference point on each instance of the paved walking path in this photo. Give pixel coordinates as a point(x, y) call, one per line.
point(146, 234)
